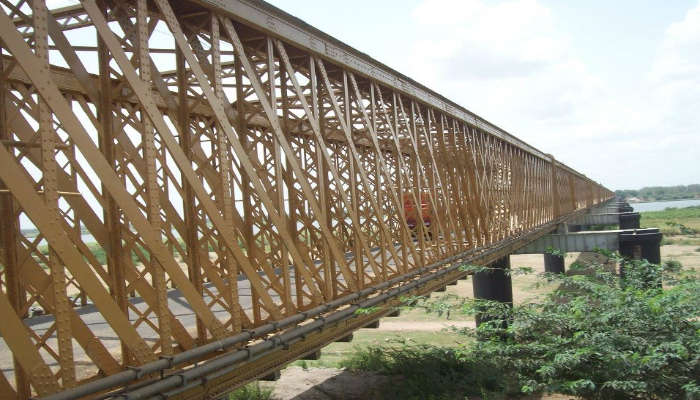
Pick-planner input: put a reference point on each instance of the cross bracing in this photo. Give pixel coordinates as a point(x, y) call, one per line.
point(174, 173)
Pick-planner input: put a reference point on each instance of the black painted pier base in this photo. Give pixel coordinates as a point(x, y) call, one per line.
point(346, 339)
point(553, 263)
point(493, 284)
point(372, 325)
point(575, 228)
point(639, 245)
point(645, 244)
point(272, 376)
point(630, 220)
point(312, 356)
point(625, 208)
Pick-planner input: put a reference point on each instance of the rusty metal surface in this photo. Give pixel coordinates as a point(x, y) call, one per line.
point(174, 172)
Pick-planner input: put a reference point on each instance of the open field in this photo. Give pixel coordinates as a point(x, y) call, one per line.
point(671, 220)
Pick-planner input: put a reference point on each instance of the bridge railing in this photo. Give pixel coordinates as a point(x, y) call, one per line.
point(174, 173)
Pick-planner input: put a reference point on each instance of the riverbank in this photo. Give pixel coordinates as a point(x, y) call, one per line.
point(662, 205)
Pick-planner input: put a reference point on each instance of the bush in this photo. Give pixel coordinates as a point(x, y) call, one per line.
point(594, 337)
point(251, 391)
point(429, 372)
point(598, 339)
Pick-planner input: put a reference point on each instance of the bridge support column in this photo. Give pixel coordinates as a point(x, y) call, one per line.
point(574, 228)
point(563, 228)
point(638, 246)
point(630, 220)
point(272, 376)
point(494, 284)
point(554, 263)
point(625, 208)
point(312, 356)
point(372, 325)
point(345, 339)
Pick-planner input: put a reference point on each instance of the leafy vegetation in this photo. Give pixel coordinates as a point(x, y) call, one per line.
point(555, 252)
point(657, 193)
point(335, 354)
point(251, 391)
point(594, 337)
point(427, 372)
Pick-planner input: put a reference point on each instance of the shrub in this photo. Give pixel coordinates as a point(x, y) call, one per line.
point(599, 339)
point(555, 252)
point(429, 372)
point(595, 336)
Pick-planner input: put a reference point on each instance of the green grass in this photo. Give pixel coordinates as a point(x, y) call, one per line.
point(681, 240)
point(603, 227)
point(251, 391)
point(687, 216)
point(428, 372)
point(333, 354)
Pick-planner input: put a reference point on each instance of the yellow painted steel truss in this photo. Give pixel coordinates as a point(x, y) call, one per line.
point(174, 172)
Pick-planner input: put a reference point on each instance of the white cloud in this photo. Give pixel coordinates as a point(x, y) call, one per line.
point(675, 75)
point(510, 63)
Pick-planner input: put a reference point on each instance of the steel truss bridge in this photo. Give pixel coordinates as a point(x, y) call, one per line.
point(194, 193)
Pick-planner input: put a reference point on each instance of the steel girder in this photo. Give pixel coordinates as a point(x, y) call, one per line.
point(173, 173)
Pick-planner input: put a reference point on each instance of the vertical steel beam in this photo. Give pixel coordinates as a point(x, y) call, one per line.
point(151, 181)
point(322, 182)
point(194, 262)
point(9, 237)
point(50, 185)
point(110, 213)
point(225, 179)
point(556, 201)
point(279, 170)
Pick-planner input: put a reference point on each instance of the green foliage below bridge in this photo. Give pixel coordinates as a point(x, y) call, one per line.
point(594, 337)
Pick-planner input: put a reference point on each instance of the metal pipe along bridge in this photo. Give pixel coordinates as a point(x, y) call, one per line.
point(194, 193)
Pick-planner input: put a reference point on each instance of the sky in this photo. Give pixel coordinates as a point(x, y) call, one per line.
point(611, 89)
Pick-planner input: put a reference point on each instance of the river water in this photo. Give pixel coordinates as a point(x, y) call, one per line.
point(661, 205)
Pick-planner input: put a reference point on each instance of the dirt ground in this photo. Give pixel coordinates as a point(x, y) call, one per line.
point(324, 381)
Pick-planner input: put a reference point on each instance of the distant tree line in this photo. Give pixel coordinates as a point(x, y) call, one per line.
point(658, 193)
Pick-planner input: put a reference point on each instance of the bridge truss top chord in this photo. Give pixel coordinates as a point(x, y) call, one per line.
point(173, 173)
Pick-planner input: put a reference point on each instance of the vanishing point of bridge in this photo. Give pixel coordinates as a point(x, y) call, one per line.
point(194, 193)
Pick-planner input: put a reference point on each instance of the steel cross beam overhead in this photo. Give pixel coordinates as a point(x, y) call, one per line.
point(179, 179)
